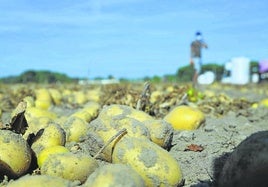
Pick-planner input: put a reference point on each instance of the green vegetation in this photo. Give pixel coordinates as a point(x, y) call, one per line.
point(38, 77)
point(183, 74)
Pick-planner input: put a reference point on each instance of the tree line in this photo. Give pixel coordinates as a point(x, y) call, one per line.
point(33, 76)
point(183, 74)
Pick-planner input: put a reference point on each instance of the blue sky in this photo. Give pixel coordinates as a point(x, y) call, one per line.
point(126, 38)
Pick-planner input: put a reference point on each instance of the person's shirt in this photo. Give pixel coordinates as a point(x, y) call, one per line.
point(196, 48)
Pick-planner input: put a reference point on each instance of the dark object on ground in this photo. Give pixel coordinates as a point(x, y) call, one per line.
point(248, 163)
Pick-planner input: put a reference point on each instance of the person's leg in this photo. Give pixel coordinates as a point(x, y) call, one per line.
point(195, 78)
point(197, 68)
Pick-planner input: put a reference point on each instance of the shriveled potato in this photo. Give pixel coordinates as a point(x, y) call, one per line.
point(161, 132)
point(69, 166)
point(52, 135)
point(185, 118)
point(134, 127)
point(139, 124)
point(75, 128)
point(46, 152)
point(41, 181)
point(104, 132)
point(15, 154)
point(156, 166)
point(35, 124)
point(106, 128)
point(114, 175)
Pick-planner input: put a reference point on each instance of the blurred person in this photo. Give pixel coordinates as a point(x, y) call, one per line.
point(196, 56)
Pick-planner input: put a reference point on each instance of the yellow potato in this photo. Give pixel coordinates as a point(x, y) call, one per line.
point(161, 132)
point(15, 154)
point(114, 111)
point(154, 164)
point(69, 166)
point(134, 127)
point(41, 181)
point(35, 124)
point(104, 133)
point(33, 112)
point(75, 128)
point(46, 152)
point(29, 100)
point(264, 102)
point(79, 97)
point(121, 116)
point(89, 112)
point(43, 99)
point(185, 118)
point(114, 118)
point(93, 95)
point(55, 96)
point(155, 96)
point(52, 135)
point(111, 111)
point(114, 175)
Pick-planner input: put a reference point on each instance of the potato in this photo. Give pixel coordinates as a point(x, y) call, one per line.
point(114, 118)
point(33, 112)
point(264, 102)
point(37, 119)
point(121, 116)
point(89, 112)
point(155, 96)
point(29, 100)
point(114, 175)
point(75, 128)
point(41, 181)
point(43, 99)
point(79, 97)
point(104, 133)
point(134, 127)
point(93, 95)
point(161, 132)
point(55, 95)
point(115, 111)
point(46, 152)
point(156, 166)
point(52, 135)
point(106, 128)
point(69, 166)
point(185, 118)
point(111, 110)
point(15, 154)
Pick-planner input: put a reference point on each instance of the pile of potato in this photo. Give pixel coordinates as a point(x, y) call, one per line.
point(111, 145)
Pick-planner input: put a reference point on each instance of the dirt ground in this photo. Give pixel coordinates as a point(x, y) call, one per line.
point(219, 136)
point(230, 119)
